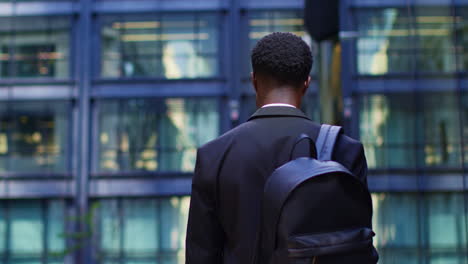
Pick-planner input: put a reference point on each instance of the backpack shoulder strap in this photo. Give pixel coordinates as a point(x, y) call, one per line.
point(326, 141)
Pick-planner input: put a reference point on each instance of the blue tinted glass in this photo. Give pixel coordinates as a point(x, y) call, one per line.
point(387, 130)
point(397, 132)
point(402, 228)
point(109, 227)
point(27, 228)
point(140, 227)
point(393, 40)
point(442, 130)
point(152, 230)
point(32, 47)
point(34, 137)
point(172, 46)
point(56, 226)
point(446, 221)
point(155, 135)
point(395, 220)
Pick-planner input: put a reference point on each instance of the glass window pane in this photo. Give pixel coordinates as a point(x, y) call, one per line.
point(34, 137)
point(442, 130)
point(174, 220)
point(387, 130)
point(393, 40)
point(404, 229)
point(167, 46)
point(110, 227)
point(395, 220)
point(33, 47)
point(140, 225)
point(382, 45)
point(155, 134)
point(435, 38)
point(399, 131)
point(447, 222)
point(24, 261)
point(55, 221)
point(153, 230)
point(27, 228)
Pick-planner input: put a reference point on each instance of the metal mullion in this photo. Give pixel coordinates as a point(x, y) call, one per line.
point(84, 54)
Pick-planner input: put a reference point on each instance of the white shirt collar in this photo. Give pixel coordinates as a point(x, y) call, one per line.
point(278, 104)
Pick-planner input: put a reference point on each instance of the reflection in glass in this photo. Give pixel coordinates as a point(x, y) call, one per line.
point(168, 46)
point(28, 222)
point(152, 230)
point(395, 40)
point(34, 137)
point(402, 229)
point(396, 224)
point(33, 47)
point(398, 133)
point(387, 129)
point(154, 134)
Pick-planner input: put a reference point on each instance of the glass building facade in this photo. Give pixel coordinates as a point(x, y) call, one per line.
point(104, 103)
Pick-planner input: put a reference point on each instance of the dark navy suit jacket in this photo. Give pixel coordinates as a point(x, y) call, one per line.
point(229, 177)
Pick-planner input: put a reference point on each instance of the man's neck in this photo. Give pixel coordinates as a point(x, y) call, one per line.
point(279, 98)
point(278, 104)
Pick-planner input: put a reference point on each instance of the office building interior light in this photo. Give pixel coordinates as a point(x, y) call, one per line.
point(164, 37)
point(259, 35)
point(277, 22)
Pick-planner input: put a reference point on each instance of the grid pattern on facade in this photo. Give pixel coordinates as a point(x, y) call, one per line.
point(158, 85)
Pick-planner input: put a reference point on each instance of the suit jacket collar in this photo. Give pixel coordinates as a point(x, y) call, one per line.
point(278, 111)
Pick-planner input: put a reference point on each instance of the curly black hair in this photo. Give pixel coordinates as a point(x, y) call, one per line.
point(284, 57)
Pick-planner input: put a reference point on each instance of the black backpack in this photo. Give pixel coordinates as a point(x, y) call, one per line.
point(316, 211)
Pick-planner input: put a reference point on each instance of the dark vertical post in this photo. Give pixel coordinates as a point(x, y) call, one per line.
point(233, 69)
point(347, 38)
point(83, 61)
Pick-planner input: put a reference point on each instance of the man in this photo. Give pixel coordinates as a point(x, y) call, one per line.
point(230, 171)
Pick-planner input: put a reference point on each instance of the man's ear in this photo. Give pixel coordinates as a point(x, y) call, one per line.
point(306, 85)
point(253, 80)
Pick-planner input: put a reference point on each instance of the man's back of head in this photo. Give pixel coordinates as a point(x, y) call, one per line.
point(281, 63)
